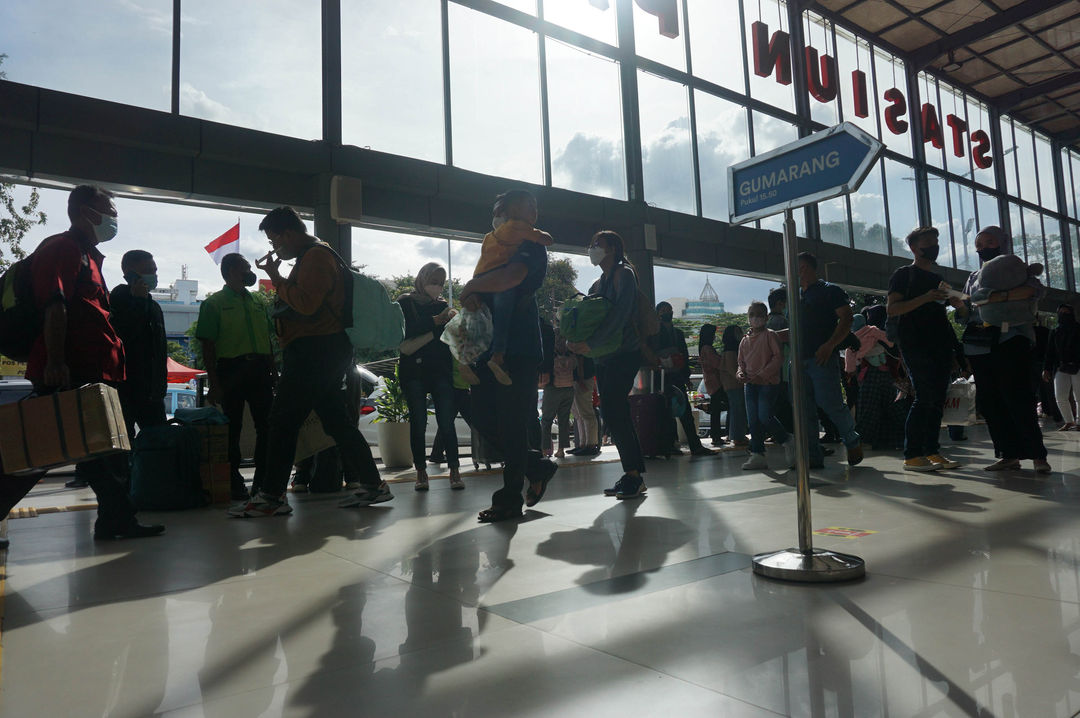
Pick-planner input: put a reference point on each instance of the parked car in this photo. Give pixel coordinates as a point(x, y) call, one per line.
point(179, 396)
point(373, 387)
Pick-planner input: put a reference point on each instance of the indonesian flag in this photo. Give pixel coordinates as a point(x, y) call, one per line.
point(228, 243)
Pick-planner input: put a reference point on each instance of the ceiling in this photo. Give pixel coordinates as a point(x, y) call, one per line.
point(1022, 55)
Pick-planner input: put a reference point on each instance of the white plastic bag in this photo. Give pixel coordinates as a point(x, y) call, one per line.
point(959, 404)
point(469, 334)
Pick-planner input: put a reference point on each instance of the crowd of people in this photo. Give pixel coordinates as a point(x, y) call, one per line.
point(880, 376)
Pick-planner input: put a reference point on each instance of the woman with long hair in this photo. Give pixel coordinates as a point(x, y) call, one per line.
point(615, 372)
point(733, 386)
point(710, 369)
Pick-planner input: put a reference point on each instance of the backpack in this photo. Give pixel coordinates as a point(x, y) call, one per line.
point(165, 469)
point(20, 322)
point(579, 318)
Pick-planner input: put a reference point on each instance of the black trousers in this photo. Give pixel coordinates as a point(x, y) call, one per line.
point(247, 380)
point(141, 409)
point(614, 380)
point(463, 405)
point(504, 417)
point(1007, 399)
point(312, 375)
point(116, 510)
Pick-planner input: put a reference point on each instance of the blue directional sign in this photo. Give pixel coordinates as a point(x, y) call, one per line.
point(816, 168)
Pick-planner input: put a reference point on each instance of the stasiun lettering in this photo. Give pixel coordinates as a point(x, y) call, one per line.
point(772, 57)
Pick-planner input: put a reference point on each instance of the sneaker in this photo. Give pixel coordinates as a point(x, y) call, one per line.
point(261, 505)
point(633, 487)
point(789, 451)
point(368, 495)
point(920, 463)
point(1003, 465)
point(854, 455)
point(1042, 466)
point(755, 462)
point(299, 487)
point(456, 482)
point(421, 483)
point(352, 485)
point(943, 462)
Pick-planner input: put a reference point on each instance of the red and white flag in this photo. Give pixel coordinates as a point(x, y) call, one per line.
point(227, 243)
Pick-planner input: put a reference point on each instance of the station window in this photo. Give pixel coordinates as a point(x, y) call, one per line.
point(767, 89)
point(716, 44)
point(723, 140)
point(667, 159)
point(398, 107)
point(903, 203)
point(939, 217)
point(963, 223)
point(583, 17)
point(852, 55)
point(889, 73)
point(667, 49)
point(868, 214)
point(587, 149)
point(1055, 253)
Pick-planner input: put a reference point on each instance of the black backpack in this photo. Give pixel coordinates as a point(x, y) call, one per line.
point(20, 322)
point(165, 469)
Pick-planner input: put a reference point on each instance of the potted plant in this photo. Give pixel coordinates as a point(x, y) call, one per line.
point(393, 424)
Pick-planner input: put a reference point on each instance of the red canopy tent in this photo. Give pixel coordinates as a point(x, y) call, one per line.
point(180, 374)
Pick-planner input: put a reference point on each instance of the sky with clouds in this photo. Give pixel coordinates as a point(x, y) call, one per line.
point(236, 64)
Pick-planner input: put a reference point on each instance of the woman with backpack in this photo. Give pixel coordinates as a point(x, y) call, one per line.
point(426, 367)
point(1062, 364)
point(615, 372)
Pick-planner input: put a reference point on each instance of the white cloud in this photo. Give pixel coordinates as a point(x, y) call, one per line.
point(198, 103)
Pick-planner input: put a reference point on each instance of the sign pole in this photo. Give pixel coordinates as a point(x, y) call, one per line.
point(804, 563)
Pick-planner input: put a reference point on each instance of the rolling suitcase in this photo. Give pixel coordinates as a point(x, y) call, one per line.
point(651, 416)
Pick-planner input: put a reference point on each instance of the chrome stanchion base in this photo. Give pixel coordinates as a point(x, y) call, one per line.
point(817, 566)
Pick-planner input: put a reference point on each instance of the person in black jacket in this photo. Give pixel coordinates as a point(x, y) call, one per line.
point(1062, 364)
point(139, 322)
point(669, 346)
point(426, 367)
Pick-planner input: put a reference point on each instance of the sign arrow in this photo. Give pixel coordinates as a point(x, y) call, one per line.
point(824, 165)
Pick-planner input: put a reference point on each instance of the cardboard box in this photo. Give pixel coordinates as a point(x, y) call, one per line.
point(62, 428)
point(216, 481)
point(214, 443)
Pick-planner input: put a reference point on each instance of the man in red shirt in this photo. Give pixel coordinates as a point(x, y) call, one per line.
point(78, 345)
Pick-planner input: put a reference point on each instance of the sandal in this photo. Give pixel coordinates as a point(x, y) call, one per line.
point(493, 515)
point(532, 497)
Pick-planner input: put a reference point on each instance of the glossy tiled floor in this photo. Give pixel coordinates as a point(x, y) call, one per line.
point(589, 607)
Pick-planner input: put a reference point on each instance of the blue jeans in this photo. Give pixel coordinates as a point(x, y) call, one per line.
point(441, 389)
point(502, 312)
point(929, 373)
point(823, 390)
point(736, 422)
point(760, 401)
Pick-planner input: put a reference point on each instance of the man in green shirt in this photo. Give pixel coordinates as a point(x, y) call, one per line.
point(235, 334)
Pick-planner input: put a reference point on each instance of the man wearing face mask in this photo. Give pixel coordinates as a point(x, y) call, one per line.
point(79, 345)
point(141, 326)
point(1000, 359)
point(669, 346)
point(927, 343)
point(235, 332)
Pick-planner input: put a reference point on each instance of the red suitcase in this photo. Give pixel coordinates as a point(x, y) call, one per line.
point(652, 420)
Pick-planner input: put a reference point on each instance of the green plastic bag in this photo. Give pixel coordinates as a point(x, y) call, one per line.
point(579, 319)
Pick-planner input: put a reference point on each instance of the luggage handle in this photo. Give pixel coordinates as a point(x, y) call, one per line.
point(652, 381)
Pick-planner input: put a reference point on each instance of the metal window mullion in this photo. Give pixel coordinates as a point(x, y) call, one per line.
point(624, 19)
point(331, 72)
point(448, 123)
point(174, 90)
point(545, 120)
point(692, 105)
point(885, 201)
point(949, 215)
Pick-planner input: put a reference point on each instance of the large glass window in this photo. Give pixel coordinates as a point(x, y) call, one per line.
point(585, 111)
point(1075, 230)
point(1045, 162)
point(1055, 253)
point(1008, 151)
point(490, 58)
point(398, 107)
point(963, 225)
point(528, 6)
point(1033, 237)
point(855, 55)
point(1069, 180)
point(890, 75)
point(715, 43)
point(903, 204)
point(978, 117)
point(987, 207)
point(952, 103)
point(868, 214)
point(819, 36)
point(583, 17)
point(1025, 164)
point(666, 155)
point(261, 69)
point(1016, 229)
point(833, 221)
point(78, 47)
point(928, 94)
point(939, 217)
point(1074, 163)
point(767, 89)
point(648, 42)
point(722, 141)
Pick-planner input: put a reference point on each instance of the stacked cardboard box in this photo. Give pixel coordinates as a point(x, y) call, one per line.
point(214, 467)
point(62, 428)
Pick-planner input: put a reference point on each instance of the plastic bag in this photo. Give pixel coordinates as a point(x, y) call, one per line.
point(959, 404)
point(469, 334)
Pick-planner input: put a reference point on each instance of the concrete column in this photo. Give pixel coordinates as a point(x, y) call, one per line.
point(338, 236)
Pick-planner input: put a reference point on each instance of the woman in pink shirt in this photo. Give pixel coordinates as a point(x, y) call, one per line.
point(760, 358)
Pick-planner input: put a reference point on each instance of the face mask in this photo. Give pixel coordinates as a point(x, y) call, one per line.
point(249, 279)
point(985, 255)
point(434, 290)
point(106, 230)
point(930, 253)
point(497, 222)
point(757, 322)
point(666, 317)
point(150, 280)
point(597, 254)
